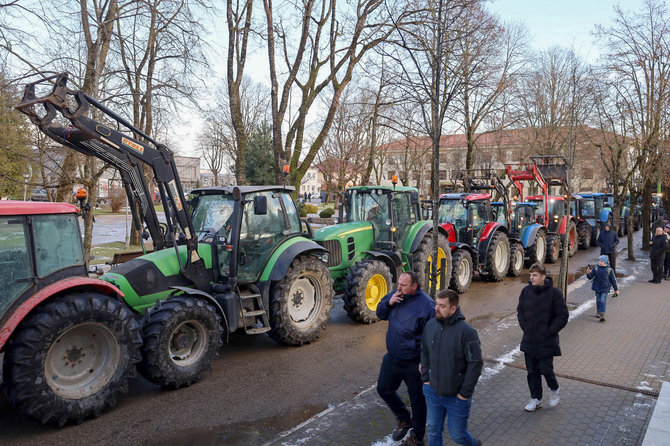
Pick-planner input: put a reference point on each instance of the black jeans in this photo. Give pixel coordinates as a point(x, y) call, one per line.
point(612, 258)
point(657, 268)
point(537, 368)
point(666, 265)
point(391, 374)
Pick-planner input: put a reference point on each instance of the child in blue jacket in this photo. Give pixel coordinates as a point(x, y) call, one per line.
point(603, 277)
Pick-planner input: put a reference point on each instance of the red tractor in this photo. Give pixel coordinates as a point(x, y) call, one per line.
point(547, 171)
point(68, 343)
point(478, 242)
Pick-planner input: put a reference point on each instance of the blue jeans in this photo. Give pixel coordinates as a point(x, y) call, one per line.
point(600, 301)
point(457, 412)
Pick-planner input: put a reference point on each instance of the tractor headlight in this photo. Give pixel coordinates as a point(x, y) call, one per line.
point(388, 222)
point(336, 220)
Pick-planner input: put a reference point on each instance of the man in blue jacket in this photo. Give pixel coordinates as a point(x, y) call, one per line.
point(407, 309)
point(451, 362)
point(607, 240)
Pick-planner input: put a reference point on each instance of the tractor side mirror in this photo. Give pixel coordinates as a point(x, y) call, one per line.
point(260, 205)
point(414, 198)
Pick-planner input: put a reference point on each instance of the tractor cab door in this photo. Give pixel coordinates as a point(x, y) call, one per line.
point(260, 233)
point(15, 268)
point(480, 216)
point(403, 217)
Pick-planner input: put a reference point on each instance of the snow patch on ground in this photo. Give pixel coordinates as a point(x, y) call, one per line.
point(386, 441)
point(581, 309)
point(643, 388)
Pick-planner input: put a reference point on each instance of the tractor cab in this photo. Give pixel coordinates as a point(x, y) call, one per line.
point(554, 212)
point(465, 216)
point(391, 211)
point(268, 217)
point(41, 245)
point(523, 215)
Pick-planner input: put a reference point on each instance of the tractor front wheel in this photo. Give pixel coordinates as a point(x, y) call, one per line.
point(70, 358)
point(461, 277)
point(584, 231)
point(497, 257)
point(300, 303)
point(515, 260)
point(182, 336)
point(422, 260)
point(366, 284)
point(537, 252)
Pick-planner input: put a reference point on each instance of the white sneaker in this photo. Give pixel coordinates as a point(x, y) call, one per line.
point(554, 397)
point(533, 404)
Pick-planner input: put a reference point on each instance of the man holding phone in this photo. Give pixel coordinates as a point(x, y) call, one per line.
point(407, 309)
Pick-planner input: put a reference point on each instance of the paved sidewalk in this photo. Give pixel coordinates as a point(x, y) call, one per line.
point(610, 375)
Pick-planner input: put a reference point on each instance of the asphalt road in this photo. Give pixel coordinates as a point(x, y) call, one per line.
point(258, 388)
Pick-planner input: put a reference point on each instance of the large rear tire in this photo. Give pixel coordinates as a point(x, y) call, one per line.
point(537, 252)
point(70, 358)
point(461, 277)
point(573, 238)
point(515, 260)
point(553, 248)
point(182, 336)
point(300, 303)
point(497, 257)
point(366, 283)
point(422, 260)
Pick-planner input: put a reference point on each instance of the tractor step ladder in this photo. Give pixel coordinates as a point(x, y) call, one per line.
point(257, 300)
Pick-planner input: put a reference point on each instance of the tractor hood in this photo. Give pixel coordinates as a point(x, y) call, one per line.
point(145, 279)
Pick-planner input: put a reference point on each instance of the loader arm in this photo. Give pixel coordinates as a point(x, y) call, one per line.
point(104, 140)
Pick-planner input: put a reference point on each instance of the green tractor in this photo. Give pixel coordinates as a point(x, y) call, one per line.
point(228, 259)
point(381, 237)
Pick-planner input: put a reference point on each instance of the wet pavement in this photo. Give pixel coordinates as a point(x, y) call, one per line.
point(610, 375)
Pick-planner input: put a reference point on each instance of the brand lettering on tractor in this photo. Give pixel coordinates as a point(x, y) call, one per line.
point(132, 144)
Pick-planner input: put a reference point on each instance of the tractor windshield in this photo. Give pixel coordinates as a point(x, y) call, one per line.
point(454, 212)
point(523, 216)
point(368, 205)
point(588, 208)
point(212, 215)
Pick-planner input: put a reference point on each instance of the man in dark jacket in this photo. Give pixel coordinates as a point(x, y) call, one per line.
point(451, 362)
point(542, 313)
point(657, 254)
point(407, 309)
point(607, 240)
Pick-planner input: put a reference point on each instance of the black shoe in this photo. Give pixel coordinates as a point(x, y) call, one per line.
point(655, 281)
point(652, 281)
point(400, 431)
point(411, 440)
point(479, 442)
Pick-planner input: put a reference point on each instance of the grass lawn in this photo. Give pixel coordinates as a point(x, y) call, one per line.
point(104, 253)
point(108, 211)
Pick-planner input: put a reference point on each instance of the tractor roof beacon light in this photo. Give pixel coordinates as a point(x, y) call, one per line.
point(286, 171)
point(394, 180)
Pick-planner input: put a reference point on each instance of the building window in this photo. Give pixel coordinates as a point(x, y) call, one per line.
point(391, 173)
point(587, 173)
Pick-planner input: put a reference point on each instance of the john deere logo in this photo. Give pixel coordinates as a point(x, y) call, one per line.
point(132, 144)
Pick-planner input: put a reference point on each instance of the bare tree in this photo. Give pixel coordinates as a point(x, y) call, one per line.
point(430, 75)
point(637, 66)
point(219, 139)
point(493, 57)
point(330, 43)
point(238, 15)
